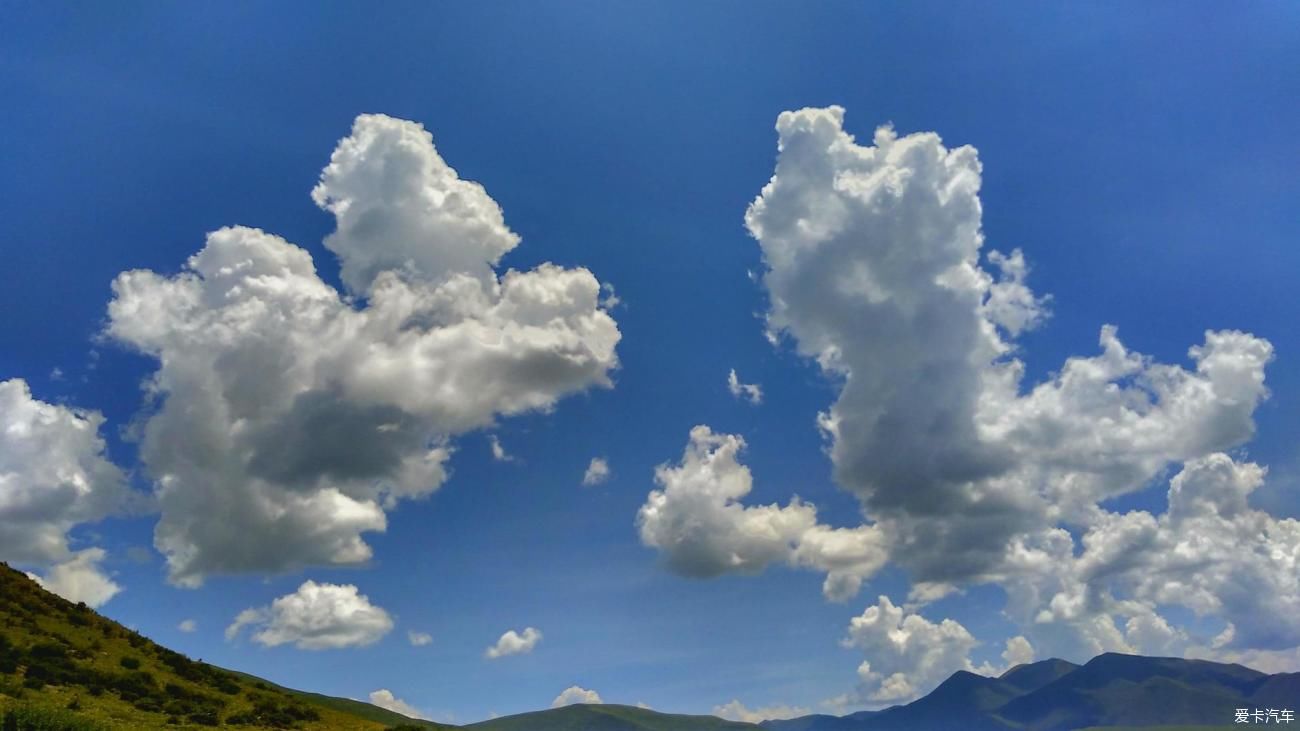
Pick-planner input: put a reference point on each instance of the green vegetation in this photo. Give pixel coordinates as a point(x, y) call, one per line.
point(608, 717)
point(32, 718)
point(345, 705)
point(64, 667)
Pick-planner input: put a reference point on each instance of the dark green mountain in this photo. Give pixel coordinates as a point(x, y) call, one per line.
point(607, 717)
point(1111, 691)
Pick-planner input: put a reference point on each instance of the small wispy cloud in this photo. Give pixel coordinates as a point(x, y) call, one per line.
point(751, 392)
point(499, 452)
point(597, 472)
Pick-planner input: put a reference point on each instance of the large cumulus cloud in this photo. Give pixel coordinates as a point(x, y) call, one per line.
point(289, 417)
point(875, 266)
point(54, 476)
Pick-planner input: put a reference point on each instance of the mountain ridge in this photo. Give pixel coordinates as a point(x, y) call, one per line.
point(64, 659)
point(1113, 690)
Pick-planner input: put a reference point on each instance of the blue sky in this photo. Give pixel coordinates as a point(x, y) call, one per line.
point(1142, 158)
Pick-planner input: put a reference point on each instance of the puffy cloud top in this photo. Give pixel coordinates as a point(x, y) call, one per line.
point(736, 711)
point(514, 643)
point(400, 207)
point(384, 698)
point(316, 617)
point(575, 694)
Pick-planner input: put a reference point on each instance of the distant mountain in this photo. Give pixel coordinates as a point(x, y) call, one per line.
point(607, 717)
point(1110, 691)
point(1032, 676)
point(62, 666)
point(65, 668)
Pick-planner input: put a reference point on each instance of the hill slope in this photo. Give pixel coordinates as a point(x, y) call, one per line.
point(62, 659)
point(59, 656)
point(607, 717)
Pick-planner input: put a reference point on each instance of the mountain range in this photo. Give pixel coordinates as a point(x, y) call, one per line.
point(63, 667)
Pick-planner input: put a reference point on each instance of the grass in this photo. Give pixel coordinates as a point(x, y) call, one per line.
point(36, 718)
point(62, 666)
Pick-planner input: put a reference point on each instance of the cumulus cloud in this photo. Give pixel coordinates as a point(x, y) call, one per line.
point(316, 617)
point(287, 417)
point(702, 529)
point(908, 655)
point(514, 643)
point(80, 579)
point(736, 711)
point(187, 625)
point(574, 694)
point(1210, 552)
point(384, 698)
point(1018, 652)
point(874, 270)
point(418, 639)
point(751, 392)
point(597, 472)
point(875, 267)
point(54, 476)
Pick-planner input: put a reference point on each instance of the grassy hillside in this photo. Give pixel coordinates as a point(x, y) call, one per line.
point(608, 717)
point(62, 666)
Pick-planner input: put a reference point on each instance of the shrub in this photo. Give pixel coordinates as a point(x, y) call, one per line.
point(33, 718)
point(130, 663)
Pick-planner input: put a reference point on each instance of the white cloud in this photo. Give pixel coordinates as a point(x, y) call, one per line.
point(316, 617)
point(384, 698)
point(875, 267)
point(1210, 552)
point(514, 643)
point(907, 655)
point(187, 625)
point(400, 207)
point(736, 711)
point(749, 391)
point(79, 579)
point(1018, 652)
point(611, 298)
point(597, 472)
point(701, 528)
point(573, 694)
point(418, 639)
point(287, 417)
point(54, 475)
point(498, 451)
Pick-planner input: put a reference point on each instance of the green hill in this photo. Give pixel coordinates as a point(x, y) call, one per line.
point(607, 717)
point(62, 666)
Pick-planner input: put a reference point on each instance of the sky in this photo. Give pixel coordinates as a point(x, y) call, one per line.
point(728, 358)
